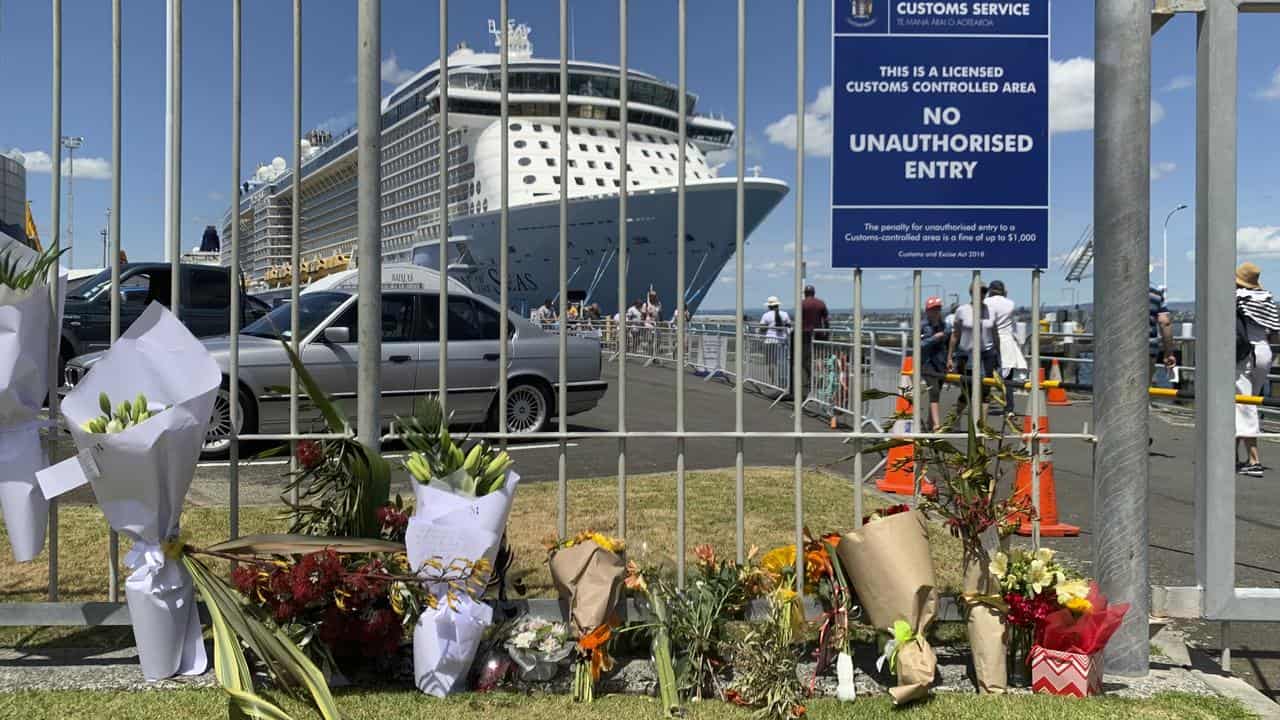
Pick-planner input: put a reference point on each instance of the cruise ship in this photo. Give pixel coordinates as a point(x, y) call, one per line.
point(411, 175)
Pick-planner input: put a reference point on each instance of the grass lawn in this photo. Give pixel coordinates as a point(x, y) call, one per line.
point(381, 704)
point(828, 504)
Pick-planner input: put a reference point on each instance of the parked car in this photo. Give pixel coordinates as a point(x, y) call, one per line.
point(328, 326)
point(203, 307)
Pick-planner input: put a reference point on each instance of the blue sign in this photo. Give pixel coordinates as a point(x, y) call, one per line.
point(940, 150)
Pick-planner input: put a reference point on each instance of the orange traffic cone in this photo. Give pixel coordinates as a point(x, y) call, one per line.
point(1049, 525)
point(899, 470)
point(1056, 395)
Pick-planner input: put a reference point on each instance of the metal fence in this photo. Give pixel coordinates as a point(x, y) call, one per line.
point(840, 372)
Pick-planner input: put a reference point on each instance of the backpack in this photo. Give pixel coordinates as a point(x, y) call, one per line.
point(1244, 348)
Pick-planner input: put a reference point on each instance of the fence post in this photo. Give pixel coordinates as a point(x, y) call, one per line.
point(1215, 207)
point(369, 219)
point(1122, 200)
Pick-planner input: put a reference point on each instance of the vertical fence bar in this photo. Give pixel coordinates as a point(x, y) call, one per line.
point(369, 220)
point(175, 177)
point(1216, 208)
point(975, 350)
point(1034, 408)
point(233, 362)
point(442, 381)
point(622, 266)
point(113, 229)
point(681, 158)
point(797, 368)
point(562, 395)
point(1121, 212)
point(295, 241)
point(55, 335)
point(855, 399)
point(916, 374)
point(739, 335)
point(504, 216)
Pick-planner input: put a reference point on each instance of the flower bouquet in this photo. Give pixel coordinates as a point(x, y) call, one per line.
point(26, 324)
point(588, 571)
point(1067, 658)
point(1030, 583)
point(140, 466)
point(538, 646)
point(460, 512)
point(889, 564)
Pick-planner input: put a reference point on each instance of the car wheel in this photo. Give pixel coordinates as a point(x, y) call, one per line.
point(528, 408)
point(217, 441)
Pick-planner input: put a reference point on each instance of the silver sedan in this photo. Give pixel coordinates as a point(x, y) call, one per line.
point(410, 364)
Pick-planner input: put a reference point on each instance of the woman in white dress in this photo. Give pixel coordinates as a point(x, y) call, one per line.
point(1256, 310)
point(1013, 365)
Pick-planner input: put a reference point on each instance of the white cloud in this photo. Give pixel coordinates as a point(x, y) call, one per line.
point(87, 168)
point(817, 126)
point(1071, 96)
point(1162, 170)
point(1179, 82)
point(1258, 241)
point(392, 73)
point(1272, 90)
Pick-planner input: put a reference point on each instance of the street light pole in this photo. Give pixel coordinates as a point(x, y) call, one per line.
point(104, 238)
point(1181, 206)
point(71, 142)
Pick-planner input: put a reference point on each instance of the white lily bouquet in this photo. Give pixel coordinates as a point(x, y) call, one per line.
point(538, 646)
point(460, 514)
point(140, 458)
point(26, 323)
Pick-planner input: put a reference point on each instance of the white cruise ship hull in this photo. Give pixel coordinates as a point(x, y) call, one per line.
point(534, 235)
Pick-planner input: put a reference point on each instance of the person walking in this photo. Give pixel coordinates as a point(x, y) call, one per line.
point(963, 351)
point(1257, 320)
point(815, 321)
point(934, 336)
point(1013, 366)
point(1160, 327)
point(776, 325)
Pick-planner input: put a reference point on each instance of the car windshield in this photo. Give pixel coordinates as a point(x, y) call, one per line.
point(89, 287)
point(313, 308)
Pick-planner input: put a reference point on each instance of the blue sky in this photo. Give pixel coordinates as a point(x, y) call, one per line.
point(410, 42)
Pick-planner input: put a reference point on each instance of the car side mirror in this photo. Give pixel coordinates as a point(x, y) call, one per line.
point(337, 335)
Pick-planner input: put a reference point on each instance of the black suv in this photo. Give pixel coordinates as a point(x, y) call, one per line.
point(206, 293)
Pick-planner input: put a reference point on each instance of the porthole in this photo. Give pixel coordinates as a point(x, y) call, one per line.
point(529, 179)
point(524, 161)
point(519, 144)
point(516, 127)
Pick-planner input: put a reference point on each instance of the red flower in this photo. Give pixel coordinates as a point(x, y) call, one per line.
point(309, 453)
point(393, 520)
point(381, 633)
point(245, 579)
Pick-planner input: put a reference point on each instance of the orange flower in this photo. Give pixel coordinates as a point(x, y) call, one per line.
point(705, 554)
point(594, 643)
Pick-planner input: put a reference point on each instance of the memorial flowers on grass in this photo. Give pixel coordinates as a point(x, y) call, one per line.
point(461, 503)
point(588, 571)
point(537, 646)
point(27, 319)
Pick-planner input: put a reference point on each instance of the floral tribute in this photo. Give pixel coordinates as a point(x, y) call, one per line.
point(537, 646)
point(588, 570)
point(1067, 658)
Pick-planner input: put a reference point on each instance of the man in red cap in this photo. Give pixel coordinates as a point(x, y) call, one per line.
point(933, 355)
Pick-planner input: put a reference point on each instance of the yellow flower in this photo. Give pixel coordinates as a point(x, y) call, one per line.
point(1079, 606)
point(779, 560)
point(999, 565)
point(613, 545)
point(1044, 555)
point(1038, 577)
point(1071, 590)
